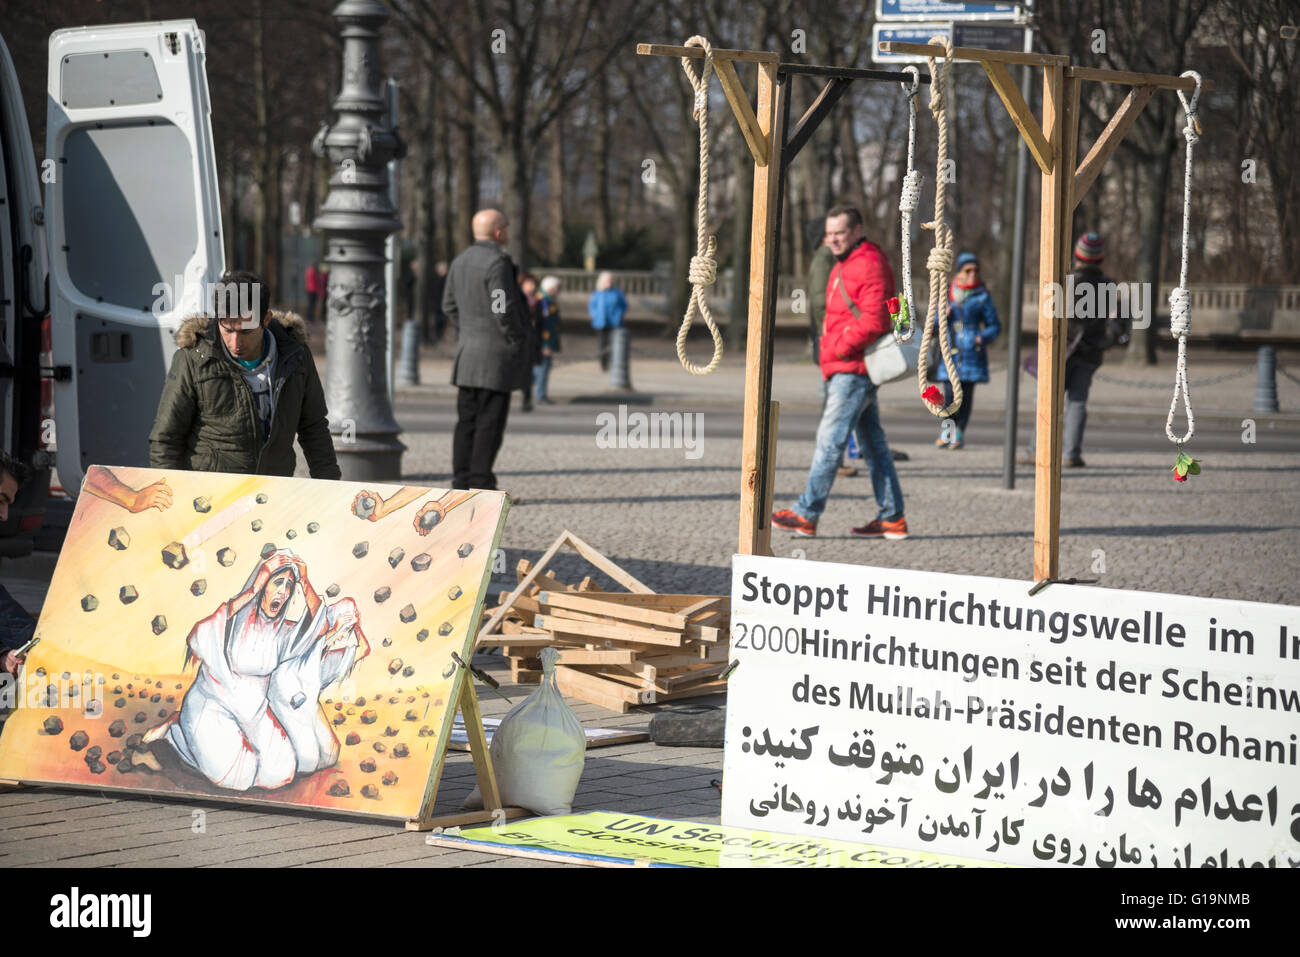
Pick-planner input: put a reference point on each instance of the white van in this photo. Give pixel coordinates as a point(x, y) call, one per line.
point(116, 255)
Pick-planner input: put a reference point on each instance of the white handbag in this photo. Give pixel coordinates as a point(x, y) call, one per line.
point(887, 359)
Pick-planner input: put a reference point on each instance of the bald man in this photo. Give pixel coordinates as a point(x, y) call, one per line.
point(483, 301)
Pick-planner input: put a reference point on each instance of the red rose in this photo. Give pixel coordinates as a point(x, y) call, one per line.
point(892, 306)
point(1179, 478)
point(933, 395)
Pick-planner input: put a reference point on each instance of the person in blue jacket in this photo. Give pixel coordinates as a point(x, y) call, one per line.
point(606, 308)
point(973, 324)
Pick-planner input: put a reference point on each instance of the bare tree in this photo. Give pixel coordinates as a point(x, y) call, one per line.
point(1268, 67)
point(541, 56)
point(1146, 36)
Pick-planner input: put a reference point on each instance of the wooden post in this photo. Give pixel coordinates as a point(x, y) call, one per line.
point(769, 470)
point(759, 440)
point(1060, 127)
point(1054, 146)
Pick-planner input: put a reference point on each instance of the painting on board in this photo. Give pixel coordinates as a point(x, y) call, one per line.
point(276, 640)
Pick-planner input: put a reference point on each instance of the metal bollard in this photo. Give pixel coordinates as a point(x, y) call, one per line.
point(1266, 380)
point(620, 377)
point(408, 364)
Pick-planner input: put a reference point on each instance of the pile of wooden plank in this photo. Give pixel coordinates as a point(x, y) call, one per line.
point(617, 649)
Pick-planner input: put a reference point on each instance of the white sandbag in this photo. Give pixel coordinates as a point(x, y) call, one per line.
point(538, 750)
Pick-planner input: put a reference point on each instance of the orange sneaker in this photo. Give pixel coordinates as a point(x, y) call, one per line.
point(792, 521)
point(894, 531)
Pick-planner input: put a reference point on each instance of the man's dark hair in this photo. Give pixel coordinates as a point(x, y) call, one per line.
point(18, 470)
point(855, 217)
point(236, 290)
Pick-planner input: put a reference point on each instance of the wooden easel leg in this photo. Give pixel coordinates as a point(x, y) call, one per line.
point(487, 779)
point(478, 747)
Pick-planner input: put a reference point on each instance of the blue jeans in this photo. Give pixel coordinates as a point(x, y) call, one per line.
point(541, 376)
point(851, 407)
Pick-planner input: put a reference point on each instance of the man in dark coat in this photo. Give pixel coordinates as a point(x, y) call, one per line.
point(482, 298)
point(240, 390)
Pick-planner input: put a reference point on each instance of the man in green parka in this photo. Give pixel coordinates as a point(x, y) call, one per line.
point(240, 390)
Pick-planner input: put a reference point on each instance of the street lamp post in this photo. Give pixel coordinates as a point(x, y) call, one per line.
point(356, 218)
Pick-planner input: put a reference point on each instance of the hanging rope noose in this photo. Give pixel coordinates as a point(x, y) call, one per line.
point(703, 269)
point(1180, 307)
point(939, 262)
point(908, 200)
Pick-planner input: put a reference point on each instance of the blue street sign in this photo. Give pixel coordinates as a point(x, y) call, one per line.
point(904, 33)
point(935, 10)
point(989, 36)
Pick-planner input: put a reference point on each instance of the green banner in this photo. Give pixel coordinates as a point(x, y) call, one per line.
point(631, 840)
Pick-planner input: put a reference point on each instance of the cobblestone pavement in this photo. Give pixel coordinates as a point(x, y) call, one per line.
point(1230, 532)
point(672, 521)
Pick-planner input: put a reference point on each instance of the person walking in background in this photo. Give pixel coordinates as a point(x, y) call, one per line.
point(533, 302)
point(819, 271)
point(972, 326)
point(607, 307)
point(549, 338)
point(1087, 337)
point(482, 298)
point(314, 282)
point(409, 271)
point(438, 283)
point(856, 316)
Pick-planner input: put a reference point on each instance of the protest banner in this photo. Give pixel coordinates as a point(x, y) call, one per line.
point(1078, 726)
point(611, 839)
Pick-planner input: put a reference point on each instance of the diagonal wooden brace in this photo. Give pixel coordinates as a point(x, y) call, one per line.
point(1020, 114)
point(1109, 139)
point(740, 106)
point(812, 117)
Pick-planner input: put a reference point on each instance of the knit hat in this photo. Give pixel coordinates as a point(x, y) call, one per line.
point(1090, 248)
point(965, 259)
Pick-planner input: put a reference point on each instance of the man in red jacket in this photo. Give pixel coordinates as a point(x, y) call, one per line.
point(856, 316)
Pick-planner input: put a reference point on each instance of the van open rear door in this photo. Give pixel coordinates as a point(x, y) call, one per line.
point(134, 226)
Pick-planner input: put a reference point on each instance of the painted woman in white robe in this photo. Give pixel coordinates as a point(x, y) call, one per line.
point(252, 718)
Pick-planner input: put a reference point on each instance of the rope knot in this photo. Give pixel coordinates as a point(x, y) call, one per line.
point(939, 260)
point(1192, 129)
point(911, 196)
point(703, 270)
point(1180, 311)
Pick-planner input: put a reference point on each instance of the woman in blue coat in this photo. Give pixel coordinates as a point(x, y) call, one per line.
point(972, 326)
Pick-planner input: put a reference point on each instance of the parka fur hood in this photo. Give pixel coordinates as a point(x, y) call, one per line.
point(207, 418)
point(197, 327)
